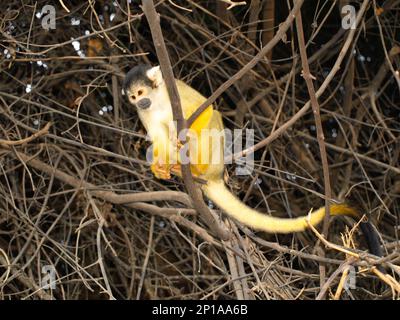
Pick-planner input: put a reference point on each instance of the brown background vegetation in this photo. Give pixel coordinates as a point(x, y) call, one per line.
point(79, 194)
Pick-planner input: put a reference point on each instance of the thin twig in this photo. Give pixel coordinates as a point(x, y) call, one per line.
point(283, 128)
point(284, 27)
point(320, 133)
point(146, 259)
point(37, 134)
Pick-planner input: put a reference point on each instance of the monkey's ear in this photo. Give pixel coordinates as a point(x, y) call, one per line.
point(155, 76)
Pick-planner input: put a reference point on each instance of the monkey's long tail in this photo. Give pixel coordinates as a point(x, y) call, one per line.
point(216, 191)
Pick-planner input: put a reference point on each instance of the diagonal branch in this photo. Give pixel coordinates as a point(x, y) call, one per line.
point(267, 48)
point(154, 22)
point(336, 67)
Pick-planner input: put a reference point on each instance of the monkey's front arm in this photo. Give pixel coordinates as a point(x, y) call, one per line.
point(165, 153)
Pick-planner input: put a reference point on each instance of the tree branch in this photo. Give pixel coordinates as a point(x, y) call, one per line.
point(336, 67)
point(267, 48)
point(318, 123)
point(37, 134)
point(154, 22)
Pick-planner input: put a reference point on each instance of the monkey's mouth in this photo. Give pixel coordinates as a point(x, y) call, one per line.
point(144, 103)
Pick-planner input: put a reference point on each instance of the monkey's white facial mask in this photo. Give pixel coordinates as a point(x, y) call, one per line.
point(154, 74)
point(138, 95)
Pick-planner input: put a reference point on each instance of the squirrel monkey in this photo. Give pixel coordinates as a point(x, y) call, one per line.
point(145, 89)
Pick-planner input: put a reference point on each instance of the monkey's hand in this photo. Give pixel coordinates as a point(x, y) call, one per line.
point(161, 170)
point(176, 169)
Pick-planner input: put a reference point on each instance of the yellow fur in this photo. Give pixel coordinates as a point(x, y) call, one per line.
point(157, 121)
point(218, 193)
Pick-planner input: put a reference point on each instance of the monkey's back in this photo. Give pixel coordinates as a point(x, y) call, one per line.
point(207, 149)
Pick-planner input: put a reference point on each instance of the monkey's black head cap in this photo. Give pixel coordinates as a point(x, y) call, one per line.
point(137, 75)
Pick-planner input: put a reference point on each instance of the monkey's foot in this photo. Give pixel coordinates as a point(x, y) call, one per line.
point(161, 171)
point(176, 169)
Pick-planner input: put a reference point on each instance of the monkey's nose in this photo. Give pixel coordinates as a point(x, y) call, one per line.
point(144, 103)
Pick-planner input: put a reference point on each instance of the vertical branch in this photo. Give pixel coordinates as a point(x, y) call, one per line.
point(154, 23)
point(222, 12)
point(336, 67)
point(341, 141)
point(318, 123)
point(253, 21)
point(268, 24)
point(308, 77)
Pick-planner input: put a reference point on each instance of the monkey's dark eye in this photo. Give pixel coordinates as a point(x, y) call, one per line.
point(133, 97)
point(140, 92)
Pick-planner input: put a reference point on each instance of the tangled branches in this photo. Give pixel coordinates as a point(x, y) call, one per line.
point(76, 194)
